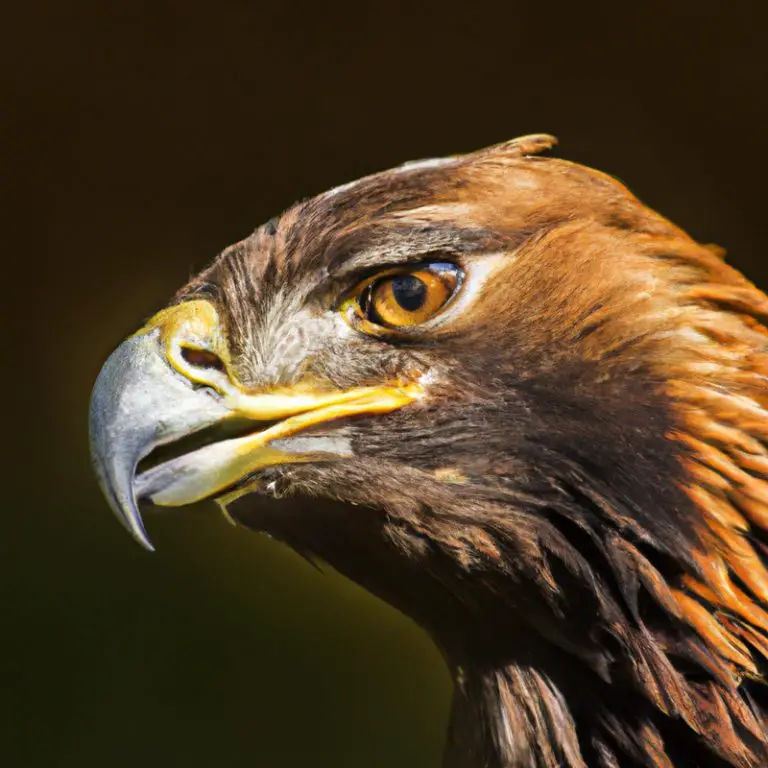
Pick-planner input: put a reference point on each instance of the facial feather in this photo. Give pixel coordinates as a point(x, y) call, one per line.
point(577, 507)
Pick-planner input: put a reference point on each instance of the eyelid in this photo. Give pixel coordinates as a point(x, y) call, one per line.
point(366, 277)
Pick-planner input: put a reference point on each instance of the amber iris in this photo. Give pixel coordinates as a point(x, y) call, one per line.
point(406, 298)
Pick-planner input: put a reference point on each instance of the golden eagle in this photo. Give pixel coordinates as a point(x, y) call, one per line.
point(503, 395)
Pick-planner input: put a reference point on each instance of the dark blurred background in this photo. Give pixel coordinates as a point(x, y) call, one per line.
point(143, 137)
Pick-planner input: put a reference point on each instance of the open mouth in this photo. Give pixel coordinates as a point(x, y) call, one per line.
point(208, 462)
point(225, 430)
point(171, 465)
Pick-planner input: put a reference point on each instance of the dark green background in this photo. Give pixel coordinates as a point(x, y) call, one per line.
point(145, 136)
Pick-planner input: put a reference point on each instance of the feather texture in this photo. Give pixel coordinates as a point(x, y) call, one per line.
point(578, 510)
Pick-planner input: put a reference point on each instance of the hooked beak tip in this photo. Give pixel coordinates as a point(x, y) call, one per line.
point(131, 519)
point(135, 527)
point(121, 498)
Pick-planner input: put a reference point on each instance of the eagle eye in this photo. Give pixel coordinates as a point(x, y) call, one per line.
point(403, 297)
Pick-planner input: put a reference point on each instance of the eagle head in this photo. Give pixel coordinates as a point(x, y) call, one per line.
point(509, 399)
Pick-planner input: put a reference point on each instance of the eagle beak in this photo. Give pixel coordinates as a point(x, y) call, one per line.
point(172, 380)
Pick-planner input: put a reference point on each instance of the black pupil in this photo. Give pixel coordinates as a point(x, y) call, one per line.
point(409, 292)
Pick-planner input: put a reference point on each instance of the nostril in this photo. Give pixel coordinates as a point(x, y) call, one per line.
point(202, 358)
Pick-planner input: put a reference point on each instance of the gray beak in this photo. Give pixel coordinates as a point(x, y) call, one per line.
point(138, 403)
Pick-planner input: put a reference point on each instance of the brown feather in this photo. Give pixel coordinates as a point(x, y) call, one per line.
point(578, 512)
